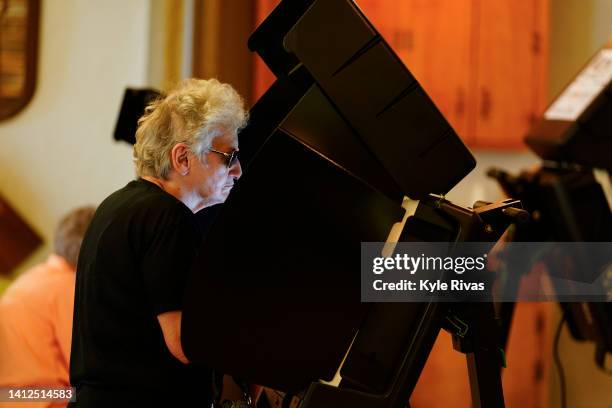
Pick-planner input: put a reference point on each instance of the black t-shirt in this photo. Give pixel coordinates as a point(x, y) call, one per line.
point(133, 264)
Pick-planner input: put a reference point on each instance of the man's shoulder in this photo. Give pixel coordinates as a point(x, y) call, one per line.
point(141, 191)
point(140, 196)
point(130, 219)
point(141, 203)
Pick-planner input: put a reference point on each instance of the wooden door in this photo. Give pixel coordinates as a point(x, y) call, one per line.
point(511, 67)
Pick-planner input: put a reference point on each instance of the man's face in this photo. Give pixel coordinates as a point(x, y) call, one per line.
point(211, 175)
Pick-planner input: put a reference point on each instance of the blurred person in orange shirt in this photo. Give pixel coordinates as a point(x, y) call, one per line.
point(36, 314)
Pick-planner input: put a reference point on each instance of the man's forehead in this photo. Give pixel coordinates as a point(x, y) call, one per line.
point(226, 139)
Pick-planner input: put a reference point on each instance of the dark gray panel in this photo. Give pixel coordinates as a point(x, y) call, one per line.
point(379, 98)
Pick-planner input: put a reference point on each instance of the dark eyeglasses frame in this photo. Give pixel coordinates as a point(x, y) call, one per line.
point(229, 157)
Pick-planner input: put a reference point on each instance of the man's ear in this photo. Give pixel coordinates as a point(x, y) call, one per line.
point(180, 156)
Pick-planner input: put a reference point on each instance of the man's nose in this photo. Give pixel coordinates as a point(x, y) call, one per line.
point(236, 169)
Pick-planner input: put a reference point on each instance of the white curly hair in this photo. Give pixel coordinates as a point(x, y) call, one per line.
point(194, 112)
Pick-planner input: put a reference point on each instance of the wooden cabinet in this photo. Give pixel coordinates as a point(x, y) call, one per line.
point(444, 381)
point(432, 39)
point(511, 67)
point(484, 63)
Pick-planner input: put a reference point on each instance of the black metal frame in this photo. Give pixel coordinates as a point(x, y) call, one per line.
point(474, 326)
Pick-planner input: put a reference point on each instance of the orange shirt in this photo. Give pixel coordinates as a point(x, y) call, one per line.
point(36, 327)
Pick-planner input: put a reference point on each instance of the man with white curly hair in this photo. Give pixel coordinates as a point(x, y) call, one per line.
point(126, 347)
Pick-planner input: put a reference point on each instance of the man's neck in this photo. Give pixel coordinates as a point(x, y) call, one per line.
point(174, 189)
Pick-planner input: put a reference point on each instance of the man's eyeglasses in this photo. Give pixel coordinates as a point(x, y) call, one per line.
point(230, 158)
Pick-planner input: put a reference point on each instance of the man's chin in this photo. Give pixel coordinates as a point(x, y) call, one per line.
point(214, 201)
point(225, 193)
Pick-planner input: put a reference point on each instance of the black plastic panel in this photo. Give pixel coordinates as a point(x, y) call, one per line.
point(275, 294)
point(380, 99)
point(316, 123)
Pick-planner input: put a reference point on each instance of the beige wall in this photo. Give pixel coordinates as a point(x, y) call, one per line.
point(579, 28)
point(58, 153)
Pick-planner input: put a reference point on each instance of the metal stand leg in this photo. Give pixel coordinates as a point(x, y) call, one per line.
point(485, 357)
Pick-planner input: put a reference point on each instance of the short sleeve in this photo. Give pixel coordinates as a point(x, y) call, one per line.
point(169, 257)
